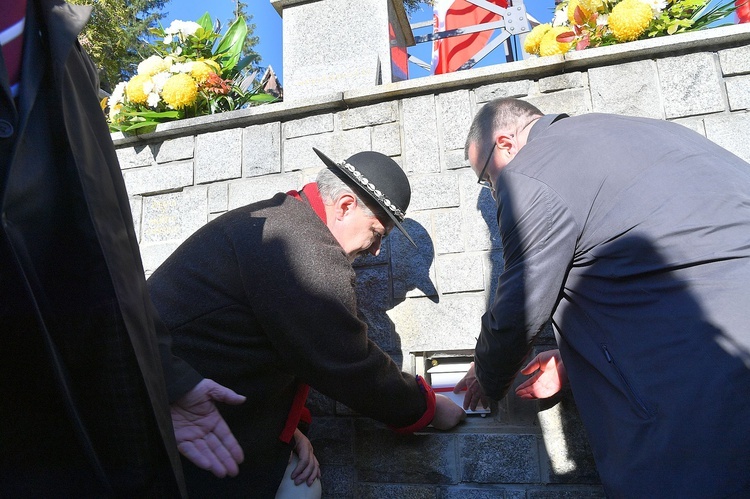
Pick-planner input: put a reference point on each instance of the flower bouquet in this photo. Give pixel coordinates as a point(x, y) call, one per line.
point(578, 24)
point(190, 74)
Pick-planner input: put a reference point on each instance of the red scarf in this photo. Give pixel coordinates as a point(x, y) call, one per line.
point(298, 411)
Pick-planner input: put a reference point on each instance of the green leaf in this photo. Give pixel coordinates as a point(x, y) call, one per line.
point(262, 98)
point(139, 125)
point(206, 23)
point(230, 46)
point(153, 114)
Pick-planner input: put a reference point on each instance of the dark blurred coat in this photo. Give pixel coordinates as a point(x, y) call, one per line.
point(84, 409)
point(634, 236)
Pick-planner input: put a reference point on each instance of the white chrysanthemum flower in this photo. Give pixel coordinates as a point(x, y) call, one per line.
point(153, 65)
point(148, 86)
point(602, 19)
point(185, 27)
point(153, 99)
point(656, 6)
point(159, 79)
point(118, 94)
point(560, 19)
point(167, 39)
point(182, 67)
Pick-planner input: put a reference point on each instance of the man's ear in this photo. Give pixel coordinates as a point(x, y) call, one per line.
point(345, 204)
point(506, 144)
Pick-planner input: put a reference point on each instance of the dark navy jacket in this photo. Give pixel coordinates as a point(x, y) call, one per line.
point(633, 235)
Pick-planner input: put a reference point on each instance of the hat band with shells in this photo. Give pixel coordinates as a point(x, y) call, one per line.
point(373, 190)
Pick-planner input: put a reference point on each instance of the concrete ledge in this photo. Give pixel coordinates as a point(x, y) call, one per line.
point(233, 119)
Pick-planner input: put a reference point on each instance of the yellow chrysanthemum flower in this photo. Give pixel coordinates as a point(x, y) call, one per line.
point(629, 19)
point(531, 43)
point(153, 65)
point(136, 88)
point(180, 91)
point(201, 71)
point(549, 44)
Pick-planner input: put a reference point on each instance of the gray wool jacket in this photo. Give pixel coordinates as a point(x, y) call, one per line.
point(259, 300)
point(633, 236)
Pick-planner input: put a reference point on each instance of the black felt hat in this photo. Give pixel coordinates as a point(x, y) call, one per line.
point(380, 179)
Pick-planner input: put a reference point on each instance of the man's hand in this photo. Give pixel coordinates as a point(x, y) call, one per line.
point(447, 413)
point(307, 469)
point(474, 392)
point(202, 434)
point(549, 379)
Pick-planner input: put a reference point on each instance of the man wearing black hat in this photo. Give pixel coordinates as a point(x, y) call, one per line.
point(262, 301)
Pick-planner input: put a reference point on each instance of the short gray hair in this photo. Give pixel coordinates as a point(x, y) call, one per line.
point(331, 187)
point(496, 115)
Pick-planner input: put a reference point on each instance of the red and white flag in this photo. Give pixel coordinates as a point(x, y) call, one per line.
point(449, 54)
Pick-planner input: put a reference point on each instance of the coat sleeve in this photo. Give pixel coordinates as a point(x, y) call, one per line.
point(538, 236)
point(307, 308)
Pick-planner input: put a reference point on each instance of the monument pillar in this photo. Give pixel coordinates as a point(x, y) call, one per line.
point(339, 45)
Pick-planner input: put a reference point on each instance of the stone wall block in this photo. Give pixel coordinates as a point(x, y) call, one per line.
point(244, 192)
point(383, 456)
point(730, 132)
point(387, 139)
point(738, 92)
point(566, 445)
point(486, 93)
point(448, 231)
point(452, 323)
point(467, 492)
point(373, 298)
point(174, 216)
point(375, 114)
point(299, 155)
point(133, 157)
point(382, 491)
point(454, 112)
point(413, 269)
point(566, 493)
point(161, 178)
point(261, 149)
point(695, 124)
point(218, 156)
point(460, 273)
point(434, 191)
point(690, 85)
point(310, 125)
point(136, 210)
point(631, 89)
point(339, 482)
point(421, 153)
point(574, 102)
point(479, 212)
point(175, 149)
point(333, 439)
point(154, 254)
point(498, 458)
point(577, 79)
point(218, 198)
point(735, 61)
point(455, 159)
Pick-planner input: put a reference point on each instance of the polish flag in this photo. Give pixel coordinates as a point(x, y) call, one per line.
point(449, 54)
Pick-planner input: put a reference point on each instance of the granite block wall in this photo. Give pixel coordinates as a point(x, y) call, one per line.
point(431, 299)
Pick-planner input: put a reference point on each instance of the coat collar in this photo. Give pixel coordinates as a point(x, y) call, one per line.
point(58, 22)
point(543, 123)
